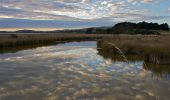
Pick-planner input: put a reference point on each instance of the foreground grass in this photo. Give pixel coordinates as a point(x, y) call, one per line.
point(154, 49)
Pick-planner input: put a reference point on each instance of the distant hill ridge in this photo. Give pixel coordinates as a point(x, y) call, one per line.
point(132, 28)
point(119, 28)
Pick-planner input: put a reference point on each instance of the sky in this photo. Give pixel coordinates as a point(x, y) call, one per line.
point(66, 14)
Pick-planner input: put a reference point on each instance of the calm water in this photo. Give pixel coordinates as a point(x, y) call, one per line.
point(76, 71)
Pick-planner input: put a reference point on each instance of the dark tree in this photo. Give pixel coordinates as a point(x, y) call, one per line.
point(164, 26)
point(90, 30)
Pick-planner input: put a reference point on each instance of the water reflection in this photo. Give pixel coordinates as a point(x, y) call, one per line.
point(75, 71)
point(157, 70)
point(162, 71)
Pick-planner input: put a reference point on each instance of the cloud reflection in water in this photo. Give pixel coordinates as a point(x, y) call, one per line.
point(73, 71)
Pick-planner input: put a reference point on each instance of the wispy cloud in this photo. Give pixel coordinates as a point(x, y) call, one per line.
point(80, 10)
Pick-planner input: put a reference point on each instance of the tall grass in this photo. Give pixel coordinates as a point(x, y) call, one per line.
point(155, 49)
point(17, 40)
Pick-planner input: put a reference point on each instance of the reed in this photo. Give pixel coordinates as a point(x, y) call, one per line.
point(155, 49)
point(18, 40)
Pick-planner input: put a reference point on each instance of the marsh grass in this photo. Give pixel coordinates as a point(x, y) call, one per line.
point(154, 49)
point(24, 47)
point(159, 70)
point(12, 41)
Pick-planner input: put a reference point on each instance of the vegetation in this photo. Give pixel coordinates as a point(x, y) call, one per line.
point(144, 25)
point(19, 40)
point(158, 70)
point(119, 28)
point(131, 28)
point(153, 49)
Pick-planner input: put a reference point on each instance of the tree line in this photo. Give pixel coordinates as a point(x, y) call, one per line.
point(144, 25)
point(131, 28)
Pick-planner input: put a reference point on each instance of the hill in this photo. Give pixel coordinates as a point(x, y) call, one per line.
point(119, 28)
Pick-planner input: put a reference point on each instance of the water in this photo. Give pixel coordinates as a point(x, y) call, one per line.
point(76, 71)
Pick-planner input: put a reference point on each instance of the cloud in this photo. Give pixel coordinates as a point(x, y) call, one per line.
point(147, 1)
point(80, 10)
point(134, 2)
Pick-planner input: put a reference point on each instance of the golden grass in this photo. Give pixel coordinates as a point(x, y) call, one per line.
point(16, 40)
point(155, 49)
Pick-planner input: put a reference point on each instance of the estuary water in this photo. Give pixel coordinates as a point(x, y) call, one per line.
point(76, 71)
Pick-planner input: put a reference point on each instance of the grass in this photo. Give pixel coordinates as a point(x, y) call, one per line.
point(164, 32)
point(19, 40)
point(154, 49)
point(158, 70)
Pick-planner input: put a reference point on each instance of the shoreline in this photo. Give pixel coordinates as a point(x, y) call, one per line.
point(153, 47)
point(16, 42)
